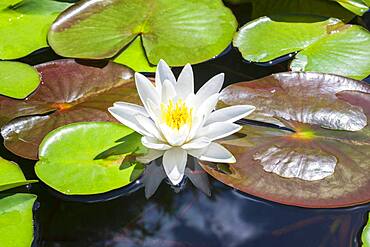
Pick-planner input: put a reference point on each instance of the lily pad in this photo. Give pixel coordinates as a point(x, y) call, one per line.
point(16, 220)
point(11, 175)
point(365, 237)
point(359, 7)
point(24, 27)
point(319, 157)
point(69, 92)
point(179, 32)
point(68, 161)
point(8, 3)
point(323, 46)
point(336, 53)
point(17, 80)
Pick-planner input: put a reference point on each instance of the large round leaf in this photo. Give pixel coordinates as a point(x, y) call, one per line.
point(68, 159)
point(180, 32)
point(69, 92)
point(16, 220)
point(24, 27)
point(324, 46)
point(8, 3)
point(345, 52)
point(11, 175)
point(17, 80)
point(329, 116)
point(264, 39)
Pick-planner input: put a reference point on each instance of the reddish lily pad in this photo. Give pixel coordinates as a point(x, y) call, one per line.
point(69, 92)
point(328, 115)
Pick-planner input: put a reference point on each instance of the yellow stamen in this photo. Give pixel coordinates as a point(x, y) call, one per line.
point(176, 115)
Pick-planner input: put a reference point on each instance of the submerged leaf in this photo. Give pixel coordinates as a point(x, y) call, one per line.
point(17, 80)
point(24, 27)
point(328, 118)
point(68, 161)
point(11, 175)
point(69, 92)
point(16, 220)
point(179, 32)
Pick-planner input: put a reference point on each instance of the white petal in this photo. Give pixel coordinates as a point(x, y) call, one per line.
point(149, 126)
point(175, 137)
point(217, 153)
point(154, 143)
point(128, 118)
point(174, 162)
point(164, 73)
point(150, 156)
point(132, 107)
point(153, 110)
point(211, 87)
point(230, 114)
point(168, 91)
point(218, 130)
point(198, 143)
point(185, 82)
point(202, 114)
point(146, 90)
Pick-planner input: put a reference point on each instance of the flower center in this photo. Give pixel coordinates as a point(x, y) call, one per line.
point(176, 115)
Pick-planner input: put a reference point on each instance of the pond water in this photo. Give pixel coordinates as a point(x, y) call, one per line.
point(190, 218)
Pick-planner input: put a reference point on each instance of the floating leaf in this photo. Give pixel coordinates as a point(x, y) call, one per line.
point(16, 220)
point(316, 106)
point(287, 37)
point(359, 7)
point(69, 92)
point(24, 27)
point(365, 237)
point(324, 46)
point(11, 175)
point(178, 31)
point(17, 80)
point(68, 161)
point(336, 53)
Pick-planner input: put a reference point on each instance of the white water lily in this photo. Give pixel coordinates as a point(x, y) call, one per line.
point(176, 123)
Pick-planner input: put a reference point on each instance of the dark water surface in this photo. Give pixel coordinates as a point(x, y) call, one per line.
point(190, 218)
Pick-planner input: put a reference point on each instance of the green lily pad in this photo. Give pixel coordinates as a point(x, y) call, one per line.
point(365, 237)
point(11, 175)
point(323, 163)
point(69, 92)
point(179, 32)
point(16, 220)
point(135, 58)
point(285, 38)
point(17, 80)
point(68, 161)
point(323, 46)
point(336, 53)
point(359, 7)
point(24, 27)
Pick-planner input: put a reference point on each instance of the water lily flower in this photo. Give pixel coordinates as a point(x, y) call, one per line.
point(175, 122)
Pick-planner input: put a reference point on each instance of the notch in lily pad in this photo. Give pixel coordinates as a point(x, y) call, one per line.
point(324, 162)
point(179, 32)
point(67, 159)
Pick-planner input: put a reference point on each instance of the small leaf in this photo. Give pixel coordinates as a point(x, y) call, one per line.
point(17, 80)
point(365, 237)
point(359, 7)
point(11, 175)
point(16, 220)
point(67, 159)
